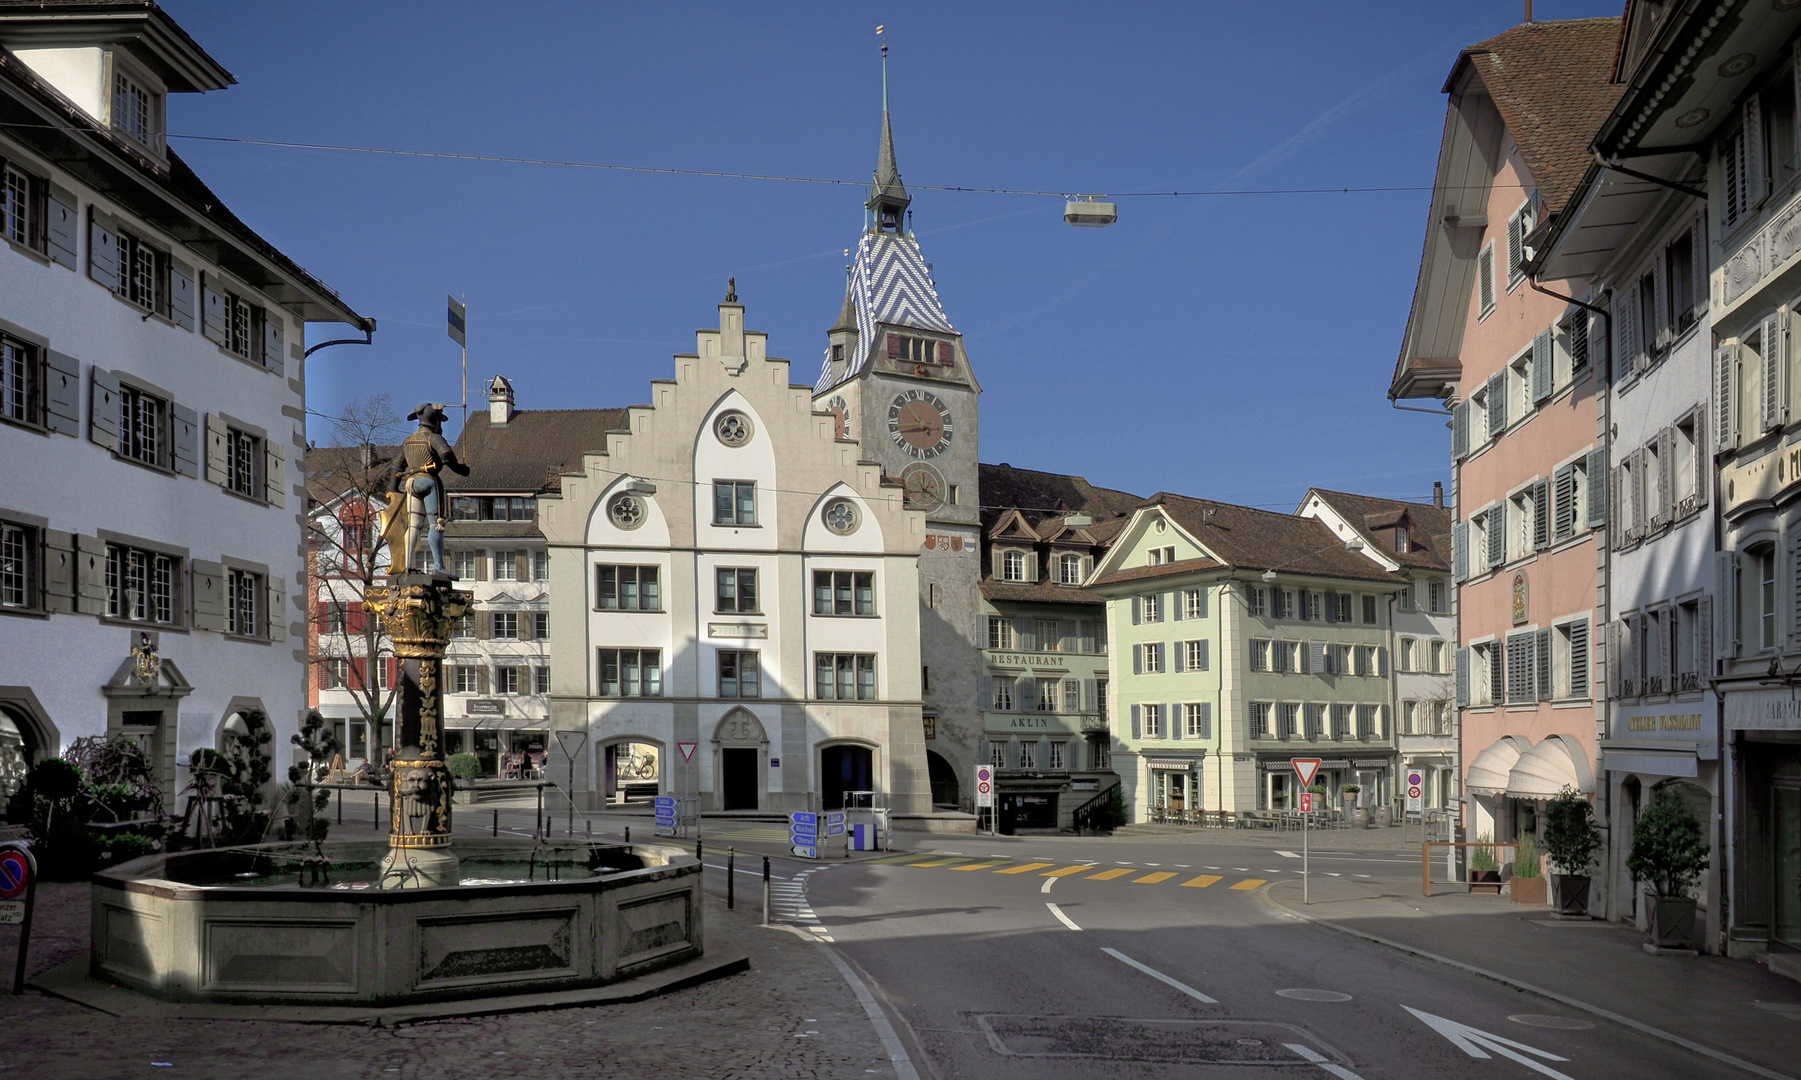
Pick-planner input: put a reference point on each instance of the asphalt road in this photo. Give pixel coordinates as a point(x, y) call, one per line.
point(1068, 957)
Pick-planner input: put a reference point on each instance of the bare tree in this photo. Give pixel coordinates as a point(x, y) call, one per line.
point(348, 483)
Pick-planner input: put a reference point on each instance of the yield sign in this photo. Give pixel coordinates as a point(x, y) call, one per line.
point(1480, 1044)
point(687, 749)
point(1305, 768)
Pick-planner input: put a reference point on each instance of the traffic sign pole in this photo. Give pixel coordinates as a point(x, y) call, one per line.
point(1306, 879)
point(1306, 769)
point(19, 873)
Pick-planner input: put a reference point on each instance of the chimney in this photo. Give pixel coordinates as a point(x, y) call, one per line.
point(500, 401)
point(1438, 494)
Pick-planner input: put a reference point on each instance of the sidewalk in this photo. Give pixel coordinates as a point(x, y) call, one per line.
point(1736, 1007)
point(790, 1015)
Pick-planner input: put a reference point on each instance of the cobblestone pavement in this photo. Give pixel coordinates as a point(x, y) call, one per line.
point(791, 1015)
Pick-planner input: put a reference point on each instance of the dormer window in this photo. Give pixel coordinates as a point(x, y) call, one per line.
point(1013, 566)
point(135, 109)
point(1401, 538)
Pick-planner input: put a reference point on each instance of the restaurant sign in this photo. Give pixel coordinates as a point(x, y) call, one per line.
point(1687, 725)
point(485, 707)
point(1763, 710)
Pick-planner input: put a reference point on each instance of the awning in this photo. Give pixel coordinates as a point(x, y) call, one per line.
point(1488, 773)
point(1650, 760)
point(1556, 763)
point(1171, 764)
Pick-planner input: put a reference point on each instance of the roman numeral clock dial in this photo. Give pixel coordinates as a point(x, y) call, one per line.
point(920, 424)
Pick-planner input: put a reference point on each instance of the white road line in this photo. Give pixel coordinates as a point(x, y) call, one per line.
point(1047, 885)
point(1242, 869)
point(752, 873)
point(897, 1054)
point(1268, 871)
point(1160, 977)
point(1122, 864)
point(1210, 868)
point(1062, 918)
point(1330, 873)
point(1360, 875)
point(1288, 854)
point(1336, 1070)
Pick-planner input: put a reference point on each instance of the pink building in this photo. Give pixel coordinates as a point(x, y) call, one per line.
point(1517, 365)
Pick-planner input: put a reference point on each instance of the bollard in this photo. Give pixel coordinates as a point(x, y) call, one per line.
point(697, 849)
point(588, 827)
point(628, 834)
point(731, 876)
point(340, 806)
point(496, 823)
point(376, 821)
point(765, 890)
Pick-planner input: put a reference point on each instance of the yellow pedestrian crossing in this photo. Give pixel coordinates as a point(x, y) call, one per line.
point(1086, 871)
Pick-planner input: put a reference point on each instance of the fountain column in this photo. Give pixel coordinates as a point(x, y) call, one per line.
point(418, 609)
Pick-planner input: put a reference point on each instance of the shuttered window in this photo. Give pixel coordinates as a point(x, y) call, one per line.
point(1485, 277)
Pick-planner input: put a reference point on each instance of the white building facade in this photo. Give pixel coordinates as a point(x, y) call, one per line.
point(750, 594)
point(154, 395)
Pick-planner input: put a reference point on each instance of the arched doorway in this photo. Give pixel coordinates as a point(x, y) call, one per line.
point(740, 743)
point(17, 751)
point(844, 768)
point(945, 789)
point(630, 768)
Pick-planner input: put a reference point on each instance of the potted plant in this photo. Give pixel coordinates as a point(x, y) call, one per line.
point(1528, 886)
point(1485, 872)
point(1354, 806)
point(1571, 838)
point(1669, 854)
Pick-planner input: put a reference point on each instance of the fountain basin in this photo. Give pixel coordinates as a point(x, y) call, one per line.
point(238, 927)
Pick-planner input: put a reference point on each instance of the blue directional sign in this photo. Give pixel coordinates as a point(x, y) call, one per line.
point(834, 823)
point(666, 811)
point(802, 817)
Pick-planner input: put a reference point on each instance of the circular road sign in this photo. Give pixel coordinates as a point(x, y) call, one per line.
point(1413, 779)
point(982, 787)
point(1413, 791)
point(15, 872)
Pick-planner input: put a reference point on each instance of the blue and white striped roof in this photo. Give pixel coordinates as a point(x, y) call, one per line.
point(889, 283)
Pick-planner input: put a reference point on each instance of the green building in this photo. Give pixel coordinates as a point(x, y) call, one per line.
point(1242, 638)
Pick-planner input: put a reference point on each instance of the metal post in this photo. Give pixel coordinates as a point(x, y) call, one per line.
point(340, 806)
point(31, 892)
point(731, 877)
point(628, 834)
point(588, 826)
point(376, 820)
point(697, 849)
point(765, 890)
point(496, 823)
point(1306, 879)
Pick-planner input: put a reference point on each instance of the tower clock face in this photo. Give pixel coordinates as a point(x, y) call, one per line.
point(920, 424)
point(924, 486)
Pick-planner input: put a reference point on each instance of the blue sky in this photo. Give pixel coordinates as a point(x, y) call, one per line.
point(1235, 347)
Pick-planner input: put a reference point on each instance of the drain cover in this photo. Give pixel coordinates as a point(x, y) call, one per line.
point(1560, 1023)
point(1118, 1038)
point(1313, 995)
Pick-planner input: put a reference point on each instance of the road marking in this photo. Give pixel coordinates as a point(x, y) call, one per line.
point(1248, 883)
point(1153, 864)
point(1330, 873)
point(1267, 870)
point(1068, 870)
point(979, 865)
point(1336, 1070)
point(1025, 867)
point(1108, 875)
point(1202, 882)
point(939, 862)
point(1288, 854)
point(897, 1054)
point(1211, 868)
point(1242, 869)
point(1160, 977)
point(1123, 864)
point(1360, 875)
point(1476, 1043)
point(1152, 879)
point(1047, 885)
point(1183, 865)
point(1062, 918)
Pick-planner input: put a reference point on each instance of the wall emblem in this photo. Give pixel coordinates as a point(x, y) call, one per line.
point(1519, 598)
point(146, 665)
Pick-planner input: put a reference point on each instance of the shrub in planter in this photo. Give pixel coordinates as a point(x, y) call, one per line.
point(1528, 880)
point(1669, 854)
point(1484, 870)
point(464, 766)
point(1571, 838)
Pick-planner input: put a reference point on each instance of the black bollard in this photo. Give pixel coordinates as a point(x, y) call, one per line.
point(376, 821)
point(496, 823)
point(765, 890)
point(628, 834)
point(340, 806)
point(697, 857)
point(731, 877)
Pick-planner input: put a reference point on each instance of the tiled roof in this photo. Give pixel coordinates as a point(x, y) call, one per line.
point(1251, 539)
point(531, 451)
point(1044, 592)
point(1044, 496)
point(331, 471)
point(1551, 82)
point(1431, 526)
point(1140, 573)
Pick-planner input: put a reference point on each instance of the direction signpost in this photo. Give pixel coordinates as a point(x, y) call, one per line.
point(1306, 768)
point(666, 815)
point(803, 833)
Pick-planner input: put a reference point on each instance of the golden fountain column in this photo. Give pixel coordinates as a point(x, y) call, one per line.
point(419, 609)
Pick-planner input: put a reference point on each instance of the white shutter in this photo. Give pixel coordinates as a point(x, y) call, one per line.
point(1598, 487)
point(1460, 551)
point(1579, 659)
point(1463, 678)
point(1726, 636)
point(1725, 396)
point(1541, 366)
point(1496, 395)
point(1772, 373)
point(1703, 457)
point(1754, 156)
point(1626, 332)
point(1699, 255)
point(1666, 463)
point(1460, 430)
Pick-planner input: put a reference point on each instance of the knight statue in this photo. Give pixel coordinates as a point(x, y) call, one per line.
point(418, 494)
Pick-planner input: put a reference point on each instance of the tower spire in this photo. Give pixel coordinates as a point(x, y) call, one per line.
point(888, 197)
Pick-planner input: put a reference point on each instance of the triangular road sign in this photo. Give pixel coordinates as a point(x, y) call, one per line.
point(1305, 768)
point(687, 749)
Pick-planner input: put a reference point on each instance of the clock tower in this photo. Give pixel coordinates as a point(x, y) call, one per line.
point(898, 377)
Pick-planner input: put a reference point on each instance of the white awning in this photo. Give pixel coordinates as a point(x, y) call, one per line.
point(1675, 760)
point(1488, 773)
point(1170, 764)
point(1556, 763)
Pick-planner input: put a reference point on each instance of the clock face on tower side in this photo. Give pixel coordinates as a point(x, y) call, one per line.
point(924, 486)
point(920, 424)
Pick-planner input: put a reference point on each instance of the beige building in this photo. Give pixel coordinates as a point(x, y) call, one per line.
point(749, 587)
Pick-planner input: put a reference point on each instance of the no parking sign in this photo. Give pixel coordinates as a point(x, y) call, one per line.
point(1415, 790)
point(18, 878)
point(984, 786)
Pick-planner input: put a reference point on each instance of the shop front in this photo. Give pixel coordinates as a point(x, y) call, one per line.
point(1674, 746)
point(508, 747)
point(1763, 732)
point(1280, 790)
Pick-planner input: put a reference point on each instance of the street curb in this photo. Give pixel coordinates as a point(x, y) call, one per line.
point(1507, 980)
point(71, 982)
